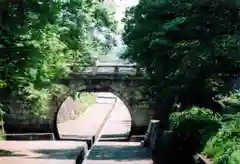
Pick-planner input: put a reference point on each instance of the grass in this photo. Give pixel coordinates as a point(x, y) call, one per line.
point(79, 102)
point(86, 99)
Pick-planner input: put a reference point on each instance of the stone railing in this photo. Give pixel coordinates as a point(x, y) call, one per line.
point(110, 69)
point(151, 136)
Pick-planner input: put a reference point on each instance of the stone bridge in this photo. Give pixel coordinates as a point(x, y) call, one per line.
point(126, 82)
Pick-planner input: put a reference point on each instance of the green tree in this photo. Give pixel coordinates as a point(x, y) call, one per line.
point(189, 48)
point(42, 39)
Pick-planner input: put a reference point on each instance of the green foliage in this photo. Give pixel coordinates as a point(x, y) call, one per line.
point(195, 126)
point(78, 103)
point(194, 113)
point(216, 136)
point(42, 40)
point(223, 148)
point(86, 99)
point(187, 135)
point(229, 102)
point(189, 48)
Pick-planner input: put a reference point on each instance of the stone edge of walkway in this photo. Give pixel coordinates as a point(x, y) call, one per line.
point(79, 158)
point(90, 140)
point(29, 136)
point(50, 136)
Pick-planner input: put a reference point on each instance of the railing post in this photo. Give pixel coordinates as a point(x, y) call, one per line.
point(95, 68)
point(116, 69)
point(138, 71)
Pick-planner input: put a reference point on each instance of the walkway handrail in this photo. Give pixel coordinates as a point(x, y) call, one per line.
point(116, 69)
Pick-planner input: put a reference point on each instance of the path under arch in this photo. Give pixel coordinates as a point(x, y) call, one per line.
point(108, 108)
point(119, 124)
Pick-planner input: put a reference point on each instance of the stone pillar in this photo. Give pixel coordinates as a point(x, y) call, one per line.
point(138, 71)
point(1, 122)
point(95, 66)
point(116, 69)
point(151, 134)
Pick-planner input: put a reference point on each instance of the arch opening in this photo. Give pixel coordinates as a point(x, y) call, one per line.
point(118, 123)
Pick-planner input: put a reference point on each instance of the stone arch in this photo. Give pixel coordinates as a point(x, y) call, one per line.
point(86, 88)
point(54, 114)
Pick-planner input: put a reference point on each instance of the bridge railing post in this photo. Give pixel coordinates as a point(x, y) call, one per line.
point(94, 70)
point(95, 67)
point(116, 69)
point(138, 71)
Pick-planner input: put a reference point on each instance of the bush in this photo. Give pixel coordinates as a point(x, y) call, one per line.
point(200, 130)
point(86, 100)
point(223, 148)
point(78, 103)
point(230, 102)
point(194, 113)
point(188, 133)
point(194, 127)
point(40, 101)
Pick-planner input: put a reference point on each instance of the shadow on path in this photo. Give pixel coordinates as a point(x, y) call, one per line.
point(44, 153)
point(58, 154)
point(118, 153)
point(6, 153)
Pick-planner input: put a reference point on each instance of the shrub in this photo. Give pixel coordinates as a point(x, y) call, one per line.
point(194, 113)
point(223, 148)
point(200, 130)
point(189, 132)
point(194, 127)
point(230, 102)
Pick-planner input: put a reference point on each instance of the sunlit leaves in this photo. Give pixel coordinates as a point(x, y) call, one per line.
point(42, 39)
point(184, 43)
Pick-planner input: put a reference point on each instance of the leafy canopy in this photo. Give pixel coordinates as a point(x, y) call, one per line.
point(42, 39)
point(189, 48)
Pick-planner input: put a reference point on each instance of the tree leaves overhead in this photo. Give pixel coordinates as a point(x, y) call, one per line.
point(41, 39)
point(188, 47)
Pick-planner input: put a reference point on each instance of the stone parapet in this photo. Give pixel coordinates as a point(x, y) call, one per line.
point(153, 132)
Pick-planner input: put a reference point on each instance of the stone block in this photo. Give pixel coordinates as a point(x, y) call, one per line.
point(151, 134)
point(30, 136)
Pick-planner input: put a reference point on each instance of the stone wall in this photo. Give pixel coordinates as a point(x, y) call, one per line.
point(127, 88)
point(17, 119)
